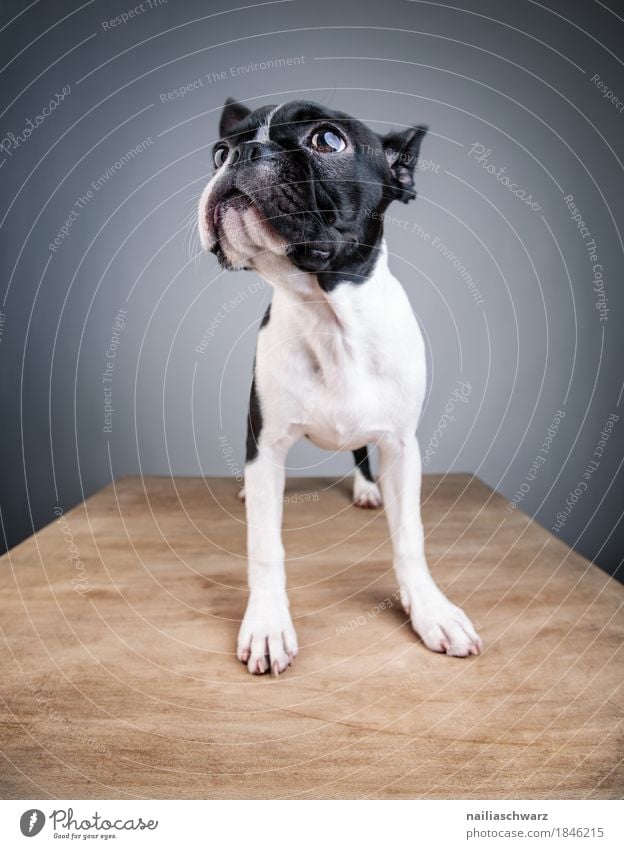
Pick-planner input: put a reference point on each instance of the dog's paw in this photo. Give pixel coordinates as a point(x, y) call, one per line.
point(267, 639)
point(441, 625)
point(365, 493)
point(241, 494)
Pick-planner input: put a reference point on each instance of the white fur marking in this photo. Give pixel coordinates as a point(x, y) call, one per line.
point(262, 135)
point(365, 493)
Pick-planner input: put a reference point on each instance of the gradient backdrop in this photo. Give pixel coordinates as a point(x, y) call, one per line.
point(124, 352)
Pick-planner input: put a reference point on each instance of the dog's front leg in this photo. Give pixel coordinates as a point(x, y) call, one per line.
point(440, 624)
point(267, 639)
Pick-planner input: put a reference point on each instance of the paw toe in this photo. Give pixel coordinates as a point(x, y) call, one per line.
point(445, 628)
point(267, 641)
point(366, 494)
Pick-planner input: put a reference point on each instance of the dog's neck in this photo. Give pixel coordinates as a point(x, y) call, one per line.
point(343, 325)
point(341, 303)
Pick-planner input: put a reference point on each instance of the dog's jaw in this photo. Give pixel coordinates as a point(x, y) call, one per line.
point(233, 228)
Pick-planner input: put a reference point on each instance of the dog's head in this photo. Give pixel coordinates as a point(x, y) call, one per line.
point(304, 182)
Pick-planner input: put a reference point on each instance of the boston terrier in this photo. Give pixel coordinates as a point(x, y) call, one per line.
point(298, 195)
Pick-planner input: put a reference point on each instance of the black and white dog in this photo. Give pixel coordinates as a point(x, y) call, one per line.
point(298, 195)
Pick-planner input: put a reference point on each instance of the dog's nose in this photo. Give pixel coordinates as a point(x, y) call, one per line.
point(248, 151)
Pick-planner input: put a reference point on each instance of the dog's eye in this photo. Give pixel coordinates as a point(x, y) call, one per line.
point(328, 141)
point(220, 155)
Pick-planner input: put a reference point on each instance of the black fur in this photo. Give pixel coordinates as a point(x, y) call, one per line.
point(254, 423)
point(360, 456)
point(327, 206)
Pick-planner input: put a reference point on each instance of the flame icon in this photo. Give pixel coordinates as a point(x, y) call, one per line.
point(31, 822)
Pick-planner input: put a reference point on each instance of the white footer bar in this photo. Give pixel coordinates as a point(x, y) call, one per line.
point(272, 824)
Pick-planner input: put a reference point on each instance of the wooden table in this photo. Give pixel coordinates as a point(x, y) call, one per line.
point(119, 679)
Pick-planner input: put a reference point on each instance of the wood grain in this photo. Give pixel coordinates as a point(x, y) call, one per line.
point(119, 678)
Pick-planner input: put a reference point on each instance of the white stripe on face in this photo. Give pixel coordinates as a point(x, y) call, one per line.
point(262, 135)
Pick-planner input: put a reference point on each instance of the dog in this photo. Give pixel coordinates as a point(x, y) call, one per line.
point(298, 195)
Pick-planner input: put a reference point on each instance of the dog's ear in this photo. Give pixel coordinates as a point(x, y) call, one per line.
point(233, 113)
point(401, 149)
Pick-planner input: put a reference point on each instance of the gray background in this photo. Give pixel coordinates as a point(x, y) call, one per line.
point(514, 77)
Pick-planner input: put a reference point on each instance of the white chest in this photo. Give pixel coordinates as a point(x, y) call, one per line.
point(347, 371)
